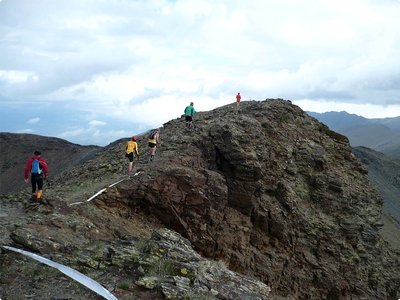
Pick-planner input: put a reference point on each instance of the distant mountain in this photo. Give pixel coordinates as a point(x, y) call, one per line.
point(392, 123)
point(337, 120)
point(382, 135)
point(59, 154)
point(375, 136)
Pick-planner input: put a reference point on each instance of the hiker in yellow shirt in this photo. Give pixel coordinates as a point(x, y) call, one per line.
point(154, 138)
point(131, 147)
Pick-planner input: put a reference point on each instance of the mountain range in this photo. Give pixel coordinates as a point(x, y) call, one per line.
point(260, 201)
point(382, 135)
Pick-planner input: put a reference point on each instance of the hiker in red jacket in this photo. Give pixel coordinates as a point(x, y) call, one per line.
point(38, 168)
point(238, 98)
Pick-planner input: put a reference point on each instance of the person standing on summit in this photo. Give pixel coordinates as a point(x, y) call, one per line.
point(238, 98)
point(189, 114)
point(38, 168)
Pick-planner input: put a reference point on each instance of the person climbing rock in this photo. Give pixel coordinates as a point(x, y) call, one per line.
point(189, 114)
point(38, 169)
point(131, 149)
point(154, 138)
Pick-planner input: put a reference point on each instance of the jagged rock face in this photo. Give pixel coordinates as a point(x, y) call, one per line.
point(165, 262)
point(273, 193)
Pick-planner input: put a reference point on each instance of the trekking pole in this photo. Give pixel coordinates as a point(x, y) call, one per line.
point(46, 179)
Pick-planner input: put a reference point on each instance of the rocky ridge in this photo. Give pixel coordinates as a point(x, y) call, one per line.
point(265, 189)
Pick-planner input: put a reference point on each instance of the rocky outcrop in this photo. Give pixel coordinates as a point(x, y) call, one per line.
point(275, 194)
point(165, 262)
point(190, 274)
point(264, 189)
point(384, 173)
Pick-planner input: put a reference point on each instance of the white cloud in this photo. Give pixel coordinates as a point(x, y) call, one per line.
point(143, 61)
point(97, 123)
point(33, 121)
point(73, 133)
point(93, 136)
point(16, 76)
point(25, 131)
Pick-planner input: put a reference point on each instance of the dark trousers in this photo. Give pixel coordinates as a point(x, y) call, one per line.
point(36, 180)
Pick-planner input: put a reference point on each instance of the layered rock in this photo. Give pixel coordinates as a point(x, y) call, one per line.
point(275, 194)
point(264, 188)
point(166, 262)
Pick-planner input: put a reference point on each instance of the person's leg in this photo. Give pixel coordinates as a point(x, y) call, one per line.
point(39, 182)
point(187, 121)
point(130, 167)
point(153, 150)
point(33, 184)
point(190, 121)
point(130, 157)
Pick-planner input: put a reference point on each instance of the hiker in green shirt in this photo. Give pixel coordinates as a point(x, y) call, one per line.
point(189, 114)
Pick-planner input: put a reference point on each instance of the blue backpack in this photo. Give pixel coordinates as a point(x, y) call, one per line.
point(36, 167)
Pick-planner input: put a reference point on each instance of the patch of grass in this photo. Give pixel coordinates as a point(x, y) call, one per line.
point(41, 273)
point(143, 245)
point(285, 118)
point(87, 210)
point(163, 269)
point(153, 174)
point(190, 295)
point(96, 245)
point(124, 286)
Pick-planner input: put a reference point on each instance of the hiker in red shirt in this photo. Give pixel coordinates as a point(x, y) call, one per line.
point(238, 98)
point(38, 168)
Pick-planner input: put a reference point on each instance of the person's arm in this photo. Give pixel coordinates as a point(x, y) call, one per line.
point(44, 166)
point(137, 149)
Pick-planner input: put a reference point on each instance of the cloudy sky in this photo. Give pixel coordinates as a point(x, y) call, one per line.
point(94, 71)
